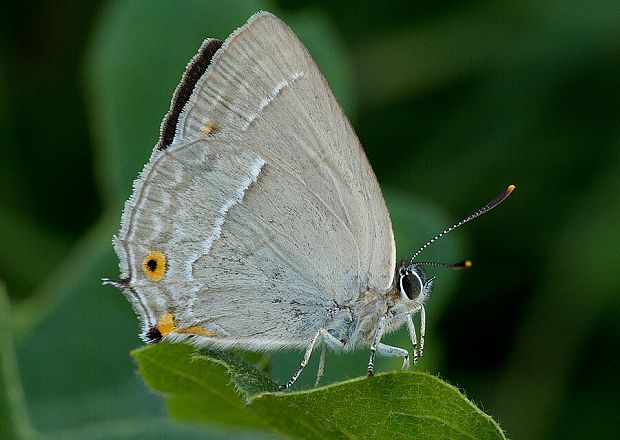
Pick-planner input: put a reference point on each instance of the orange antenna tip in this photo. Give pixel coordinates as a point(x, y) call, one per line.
point(510, 189)
point(468, 264)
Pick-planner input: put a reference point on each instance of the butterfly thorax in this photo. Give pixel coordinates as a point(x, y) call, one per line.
point(366, 311)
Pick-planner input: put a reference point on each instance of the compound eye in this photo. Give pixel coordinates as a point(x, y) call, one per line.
point(411, 285)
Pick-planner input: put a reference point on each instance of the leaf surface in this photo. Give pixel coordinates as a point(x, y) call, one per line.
point(219, 388)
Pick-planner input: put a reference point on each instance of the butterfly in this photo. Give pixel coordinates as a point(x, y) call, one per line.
point(258, 222)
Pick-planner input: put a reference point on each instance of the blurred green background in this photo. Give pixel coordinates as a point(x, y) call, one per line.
point(452, 102)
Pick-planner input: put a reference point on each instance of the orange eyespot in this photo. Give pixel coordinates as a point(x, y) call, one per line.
point(154, 265)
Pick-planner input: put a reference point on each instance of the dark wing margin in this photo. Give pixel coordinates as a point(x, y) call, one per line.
point(195, 69)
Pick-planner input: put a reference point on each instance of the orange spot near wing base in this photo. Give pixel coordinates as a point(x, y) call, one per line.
point(208, 128)
point(167, 325)
point(196, 331)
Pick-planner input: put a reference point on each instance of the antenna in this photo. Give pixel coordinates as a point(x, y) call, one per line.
point(455, 266)
point(492, 204)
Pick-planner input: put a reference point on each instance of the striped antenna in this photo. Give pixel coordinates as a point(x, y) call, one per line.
point(492, 204)
point(455, 266)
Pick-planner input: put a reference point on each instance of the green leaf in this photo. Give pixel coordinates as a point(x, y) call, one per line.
point(219, 388)
point(13, 415)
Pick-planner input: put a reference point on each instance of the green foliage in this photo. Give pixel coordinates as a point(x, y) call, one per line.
point(13, 418)
point(219, 388)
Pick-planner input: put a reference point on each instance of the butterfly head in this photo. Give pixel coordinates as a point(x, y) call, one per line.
point(413, 284)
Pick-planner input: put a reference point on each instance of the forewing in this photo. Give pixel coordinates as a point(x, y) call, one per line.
point(264, 203)
point(263, 84)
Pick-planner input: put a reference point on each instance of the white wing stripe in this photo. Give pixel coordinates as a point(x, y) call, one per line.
point(274, 93)
point(207, 244)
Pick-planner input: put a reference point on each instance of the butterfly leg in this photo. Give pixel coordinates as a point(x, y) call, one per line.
point(373, 347)
point(391, 351)
point(413, 337)
point(304, 362)
point(331, 342)
point(319, 373)
point(422, 329)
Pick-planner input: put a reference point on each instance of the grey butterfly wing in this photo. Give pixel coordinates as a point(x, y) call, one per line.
point(261, 79)
point(264, 204)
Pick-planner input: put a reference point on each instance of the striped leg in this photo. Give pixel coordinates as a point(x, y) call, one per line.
point(373, 347)
point(413, 337)
point(422, 329)
point(304, 362)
